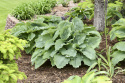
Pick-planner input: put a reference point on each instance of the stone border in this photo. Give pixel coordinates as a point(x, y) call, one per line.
point(11, 22)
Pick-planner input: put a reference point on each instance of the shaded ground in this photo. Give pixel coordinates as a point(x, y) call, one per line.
point(49, 74)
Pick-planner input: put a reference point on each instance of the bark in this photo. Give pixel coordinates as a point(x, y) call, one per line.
point(99, 15)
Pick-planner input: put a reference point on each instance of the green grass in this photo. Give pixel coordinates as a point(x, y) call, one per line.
point(6, 7)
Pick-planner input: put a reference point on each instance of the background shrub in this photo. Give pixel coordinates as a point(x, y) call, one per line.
point(9, 50)
point(28, 10)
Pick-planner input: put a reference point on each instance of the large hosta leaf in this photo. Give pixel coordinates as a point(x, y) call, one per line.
point(120, 46)
point(117, 57)
point(65, 32)
point(120, 22)
point(112, 34)
point(76, 61)
point(77, 24)
point(120, 33)
point(88, 61)
point(38, 52)
point(56, 35)
point(70, 52)
point(48, 44)
point(30, 47)
point(49, 31)
point(79, 39)
point(93, 42)
point(63, 24)
point(89, 53)
point(19, 29)
point(59, 44)
point(39, 61)
point(31, 36)
point(95, 33)
point(41, 40)
point(60, 60)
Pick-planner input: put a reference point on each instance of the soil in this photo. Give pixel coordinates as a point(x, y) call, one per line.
point(48, 74)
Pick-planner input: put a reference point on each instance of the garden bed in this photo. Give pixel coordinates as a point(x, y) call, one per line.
point(48, 74)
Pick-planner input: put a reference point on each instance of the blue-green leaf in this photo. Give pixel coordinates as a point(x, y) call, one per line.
point(59, 44)
point(48, 44)
point(76, 61)
point(39, 61)
point(60, 60)
point(77, 24)
point(65, 32)
point(120, 46)
point(89, 53)
point(117, 57)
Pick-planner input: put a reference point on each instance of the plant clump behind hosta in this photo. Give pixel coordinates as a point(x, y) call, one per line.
point(61, 42)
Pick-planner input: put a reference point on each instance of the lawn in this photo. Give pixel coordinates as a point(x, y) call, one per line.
point(6, 7)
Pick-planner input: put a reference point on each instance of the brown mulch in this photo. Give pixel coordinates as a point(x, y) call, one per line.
point(48, 74)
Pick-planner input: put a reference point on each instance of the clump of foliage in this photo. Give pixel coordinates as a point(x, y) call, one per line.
point(118, 32)
point(84, 11)
point(28, 10)
point(31, 30)
point(23, 12)
point(64, 3)
point(62, 44)
point(113, 12)
point(90, 77)
point(9, 72)
point(76, 1)
point(9, 50)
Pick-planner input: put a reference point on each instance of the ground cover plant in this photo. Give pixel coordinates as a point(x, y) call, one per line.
point(64, 43)
point(28, 10)
point(5, 9)
point(9, 50)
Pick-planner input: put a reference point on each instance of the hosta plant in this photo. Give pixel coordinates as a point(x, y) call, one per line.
point(66, 43)
point(90, 77)
point(118, 31)
point(69, 43)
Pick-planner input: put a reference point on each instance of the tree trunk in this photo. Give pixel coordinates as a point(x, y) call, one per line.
point(99, 15)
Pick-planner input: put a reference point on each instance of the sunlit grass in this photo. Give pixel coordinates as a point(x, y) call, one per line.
point(6, 7)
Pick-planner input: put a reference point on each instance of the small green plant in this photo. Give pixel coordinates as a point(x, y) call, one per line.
point(84, 11)
point(9, 50)
point(76, 1)
point(64, 3)
point(83, 14)
point(90, 77)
